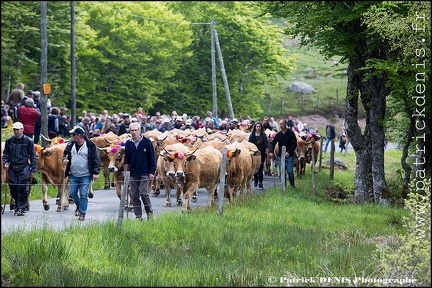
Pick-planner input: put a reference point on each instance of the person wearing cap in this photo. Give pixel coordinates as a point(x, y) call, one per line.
point(28, 114)
point(140, 161)
point(187, 125)
point(166, 126)
point(234, 124)
point(19, 158)
point(123, 128)
point(82, 159)
point(178, 123)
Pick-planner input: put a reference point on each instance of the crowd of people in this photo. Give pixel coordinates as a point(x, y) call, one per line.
point(82, 160)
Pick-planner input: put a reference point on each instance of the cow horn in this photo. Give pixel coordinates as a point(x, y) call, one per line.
point(191, 153)
point(45, 138)
point(166, 151)
point(108, 141)
point(102, 149)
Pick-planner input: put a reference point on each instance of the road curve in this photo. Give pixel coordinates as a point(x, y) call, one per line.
point(105, 205)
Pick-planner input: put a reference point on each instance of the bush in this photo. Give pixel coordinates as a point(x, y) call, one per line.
point(410, 261)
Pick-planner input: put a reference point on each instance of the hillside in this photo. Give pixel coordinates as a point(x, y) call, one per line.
point(319, 121)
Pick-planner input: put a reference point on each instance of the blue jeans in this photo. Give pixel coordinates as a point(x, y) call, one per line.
point(328, 139)
point(82, 184)
point(289, 168)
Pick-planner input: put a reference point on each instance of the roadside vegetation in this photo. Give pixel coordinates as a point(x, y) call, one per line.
point(292, 237)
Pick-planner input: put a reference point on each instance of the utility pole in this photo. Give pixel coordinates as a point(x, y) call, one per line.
point(73, 66)
point(213, 63)
point(230, 108)
point(44, 69)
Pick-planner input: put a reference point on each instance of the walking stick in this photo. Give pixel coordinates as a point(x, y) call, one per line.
point(4, 206)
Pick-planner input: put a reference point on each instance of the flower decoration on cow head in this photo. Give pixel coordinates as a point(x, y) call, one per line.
point(272, 136)
point(112, 149)
point(120, 143)
point(58, 140)
point(179, 155)
point(229, 154)
point(38, 148)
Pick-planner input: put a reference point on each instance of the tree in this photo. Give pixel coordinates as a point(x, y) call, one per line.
point(409, 37)
point(339, 28)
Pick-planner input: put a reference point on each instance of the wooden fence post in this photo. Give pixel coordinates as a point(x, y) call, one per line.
point(221, 186)
point(122, 199)
point(282, 169)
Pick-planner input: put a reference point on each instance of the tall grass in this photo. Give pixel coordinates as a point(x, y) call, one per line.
point(296, 237)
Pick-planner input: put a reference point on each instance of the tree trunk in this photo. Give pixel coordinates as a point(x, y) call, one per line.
point(357, 140)
point(374, 92)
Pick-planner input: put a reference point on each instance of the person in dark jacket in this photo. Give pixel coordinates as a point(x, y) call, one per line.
point(330, 135)
point(82, 160)
point(287, 138)
point(140, 161)
point(19, 158)
point(259, 138)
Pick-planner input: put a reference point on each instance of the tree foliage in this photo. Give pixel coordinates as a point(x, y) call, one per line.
point(348, 29)
point(147, 54)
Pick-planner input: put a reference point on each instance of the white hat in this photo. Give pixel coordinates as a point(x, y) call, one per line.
point(235, 120)
point(17, 125)
point(189, 122)
point(166, 120)
point(179, 118)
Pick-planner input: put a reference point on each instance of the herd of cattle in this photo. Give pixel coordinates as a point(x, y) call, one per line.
point(186, 161)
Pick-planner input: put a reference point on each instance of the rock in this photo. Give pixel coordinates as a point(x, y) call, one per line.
point(338, 164)
point(301, 87)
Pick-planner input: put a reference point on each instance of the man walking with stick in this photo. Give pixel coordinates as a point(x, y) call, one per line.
point(19, 157)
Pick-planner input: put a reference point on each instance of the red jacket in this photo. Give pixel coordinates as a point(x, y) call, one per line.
point(28, 116)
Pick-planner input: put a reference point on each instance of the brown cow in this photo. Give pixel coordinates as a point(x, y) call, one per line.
point(104, 141)
point(300, 158)
point(116, 166)
point(50, 165)
point(168, 179)
point(196, 169)
point(239, 168)
point(256, 162)
point(312, 143)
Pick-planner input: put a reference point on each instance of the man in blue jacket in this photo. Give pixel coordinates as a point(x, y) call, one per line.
point(140, 161)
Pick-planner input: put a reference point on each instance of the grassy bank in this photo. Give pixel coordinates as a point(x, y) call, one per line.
point(294, 237)
point(299, 235)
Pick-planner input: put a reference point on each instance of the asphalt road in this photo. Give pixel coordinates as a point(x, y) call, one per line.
point(105, 205)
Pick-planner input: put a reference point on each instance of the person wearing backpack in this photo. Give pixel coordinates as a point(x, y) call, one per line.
point(28, 114)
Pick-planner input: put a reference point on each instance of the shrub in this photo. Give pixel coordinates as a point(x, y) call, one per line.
point(410, 260)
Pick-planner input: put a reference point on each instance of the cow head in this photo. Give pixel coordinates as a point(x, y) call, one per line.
point(177, 161)
point(300, 151)
point(115, 153)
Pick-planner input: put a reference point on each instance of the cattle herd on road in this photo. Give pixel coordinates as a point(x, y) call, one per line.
point(186, 161)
